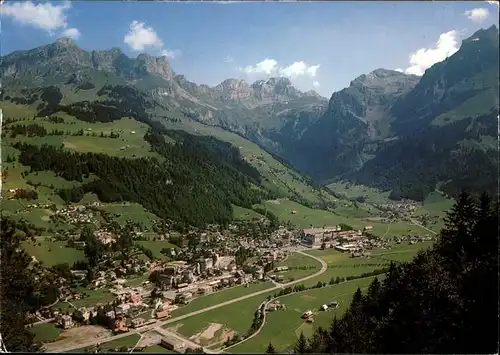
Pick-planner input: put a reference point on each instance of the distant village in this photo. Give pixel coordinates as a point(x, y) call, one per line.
point(203, 261)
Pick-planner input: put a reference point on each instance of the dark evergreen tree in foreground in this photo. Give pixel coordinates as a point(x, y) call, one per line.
point(17, 286)
point(444, 301)
point(270, 349)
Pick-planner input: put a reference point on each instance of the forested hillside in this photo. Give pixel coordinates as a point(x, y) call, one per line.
point(195, 181)
point(396, 132)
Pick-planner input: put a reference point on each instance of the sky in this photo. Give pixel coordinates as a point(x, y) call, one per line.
point(320, 46)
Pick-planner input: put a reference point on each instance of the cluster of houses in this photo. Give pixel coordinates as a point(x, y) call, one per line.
point(274, 306)
point(76, 214)
point(314, 237)
point(353, 242)
point(308, 316)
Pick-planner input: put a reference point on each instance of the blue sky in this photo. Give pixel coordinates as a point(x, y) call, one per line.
point(321, 46)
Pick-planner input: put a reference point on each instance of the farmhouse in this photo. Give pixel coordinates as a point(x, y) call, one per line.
point(307, 314)
point(65, 321)
point(333, 304)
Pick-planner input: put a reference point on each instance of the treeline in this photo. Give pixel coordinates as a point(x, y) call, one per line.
point(274, 220)
point(36, 130)
point(444, 301)
point(25, 286)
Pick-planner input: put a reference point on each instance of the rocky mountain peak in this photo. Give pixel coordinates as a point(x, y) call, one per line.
point(106, 60)
point(381, 78)
point(272, 82)
point(65, 42)
point(313, 93)
point(232, 83)
point(275, 89)
point(154, 65)
point(233, 89)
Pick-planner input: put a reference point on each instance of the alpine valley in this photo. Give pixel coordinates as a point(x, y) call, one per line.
point(399, 133)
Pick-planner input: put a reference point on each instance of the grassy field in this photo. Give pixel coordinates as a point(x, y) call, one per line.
point(158, 349)
point(91, 298)
point(349, 190)
point(221, 296)
point(130, 211)
point(237, 317)
point(435, 204)
point(399, 252)
point(129, 341)
point(156, 246)
point(306, 217)
point(241, 213)
point(342, 265)
point(45, 332)
point(52, 253)
point(130, 142)
point(283, 327)
point(294, 261)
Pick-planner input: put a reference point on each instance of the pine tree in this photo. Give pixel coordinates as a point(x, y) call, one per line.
point(270, 349)
point(301, 346)
point(17, 288)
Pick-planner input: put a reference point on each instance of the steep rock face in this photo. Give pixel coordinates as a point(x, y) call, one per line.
point(446, 127)
point(107, 60)
point(275, 89)
point(232, 90)
point(147, 64)
point(340, 141)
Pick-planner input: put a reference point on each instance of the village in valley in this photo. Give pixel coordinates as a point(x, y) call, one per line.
point(139, 295)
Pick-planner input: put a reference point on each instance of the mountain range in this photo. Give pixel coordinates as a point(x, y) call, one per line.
point(389, 130)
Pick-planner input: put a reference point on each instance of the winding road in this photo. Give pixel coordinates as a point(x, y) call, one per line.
point(194, 313)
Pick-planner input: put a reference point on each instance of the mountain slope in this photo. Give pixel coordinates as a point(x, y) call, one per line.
point(384, 130)
point(357, 117)
point(445, 127)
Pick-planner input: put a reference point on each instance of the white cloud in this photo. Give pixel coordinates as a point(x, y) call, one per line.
point(71, 33)
point(399, 70)
point(478, 14)
point(424, 58)
point(267, 66)
point(271, 67)
point(228, 59)
point(494, 2)
point(44, 16)
point(141, 37)
point(302, 75)
point(299, 69)
point(171, 53)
